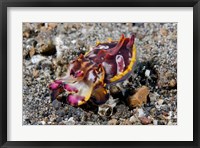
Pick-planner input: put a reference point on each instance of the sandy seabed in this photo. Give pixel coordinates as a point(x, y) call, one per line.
point(49, 47)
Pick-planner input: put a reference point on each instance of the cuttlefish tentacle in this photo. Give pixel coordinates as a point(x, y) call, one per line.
point(88, 75)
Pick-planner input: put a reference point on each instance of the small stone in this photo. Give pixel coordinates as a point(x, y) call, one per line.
point(147, 73)
point(145, 120)
point(153, 97)
point(43, 122)
point(147, 47)
point(73, 41)
point(161, 117)
point(132, 119)
point(141, 112)
point(52, 25)
point(160, 101)
point(26, 34)
point(114, 89)
point(126, 122)
point(35, 73)
point(163, 32)
point(37, 58)
point(59, 119)
point(165, 113)
point(155, 122)
point(45, 119)
point(172, 83)
point(140, 36)
point(70, 121)
point(31, 52)
point(153, 112)
point(52, 118)
point(56, 104)
point(112, 122)
point(60, 113)
point(170, 123)
point(139, 97)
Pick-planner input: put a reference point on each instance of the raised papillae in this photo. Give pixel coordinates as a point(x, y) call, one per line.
point(88, 75)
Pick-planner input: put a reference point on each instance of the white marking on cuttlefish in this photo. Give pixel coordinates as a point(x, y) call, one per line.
point(107, 67)
point(120, 63)
point(103, 47)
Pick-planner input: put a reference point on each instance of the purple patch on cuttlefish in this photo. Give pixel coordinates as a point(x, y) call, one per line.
point(54, 85)
point(70, 88)
point(74, 99)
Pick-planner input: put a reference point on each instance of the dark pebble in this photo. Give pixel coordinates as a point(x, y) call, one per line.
point(60, 113)
point(94, 117)
point(161, 123)
point(56, 104)
point(104, 123)
point(59, 119)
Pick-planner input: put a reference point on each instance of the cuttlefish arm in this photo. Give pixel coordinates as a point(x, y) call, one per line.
point(80, 87)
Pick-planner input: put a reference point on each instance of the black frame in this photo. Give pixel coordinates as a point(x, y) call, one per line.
point(98, 3)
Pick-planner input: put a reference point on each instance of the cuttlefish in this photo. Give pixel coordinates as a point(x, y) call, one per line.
point(88, 75)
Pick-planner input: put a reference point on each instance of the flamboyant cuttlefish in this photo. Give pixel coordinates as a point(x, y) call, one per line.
point(89, 75)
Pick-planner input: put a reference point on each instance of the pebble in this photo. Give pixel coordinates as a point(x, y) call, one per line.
point(56, 104)
point(70, 121)
point(126, 122)
point(153, 97)
point(164, 32)
point(133, 119)
point(31, 52)
point(145, 120)
point(43, 122)
point(160, 101)
point(172, 83)
point(59, 119)
point(139, 97)
point(35, 73)
point(147, 73)
point(73, 41)
point(60, 112)
point(37, 58)
point(141, 112)
point(155, 122)
point(114, 90)
point(112, 122)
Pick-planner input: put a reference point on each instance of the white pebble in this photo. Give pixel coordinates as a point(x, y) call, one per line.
point(147, 73)
point(71, 119)
point(37, 58)
point(160, 102)
point(73, 41)
point(141, 112)
point(155, 122)
point(43, 122)
point(132, 119)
